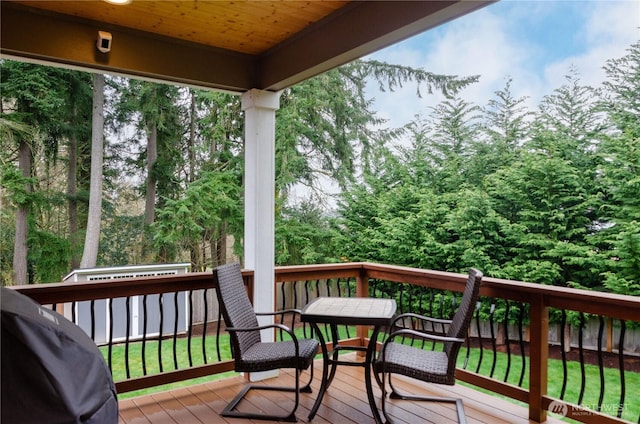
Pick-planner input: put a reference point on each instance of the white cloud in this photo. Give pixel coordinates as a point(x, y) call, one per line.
point(479, 46)
point(493, 44)
point(613, 23)
point(610, 28)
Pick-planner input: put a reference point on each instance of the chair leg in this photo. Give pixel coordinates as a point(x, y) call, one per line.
point(307, 387)
point(229, 410)
point(395, 394)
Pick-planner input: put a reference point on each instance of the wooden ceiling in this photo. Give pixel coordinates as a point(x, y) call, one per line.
point(230, 45)
point(246, 27)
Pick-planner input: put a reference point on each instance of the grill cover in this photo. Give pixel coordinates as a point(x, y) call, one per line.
point(52, 372)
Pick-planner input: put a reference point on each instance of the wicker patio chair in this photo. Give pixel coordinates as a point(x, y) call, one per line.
point(417, 360)
point(249, 352)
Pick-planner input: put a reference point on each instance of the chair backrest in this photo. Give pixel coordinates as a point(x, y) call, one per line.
point(462, 318)
point(236, 308)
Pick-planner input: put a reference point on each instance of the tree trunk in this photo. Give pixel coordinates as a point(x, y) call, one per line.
point(92, 239)
point(20, 242)
point(221, 253)
point(152, 157)
point(193, 257)
point(194, 246)
point(192, 139)
point(72, 204)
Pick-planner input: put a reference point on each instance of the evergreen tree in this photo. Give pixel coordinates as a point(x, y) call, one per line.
point(304, 236)
point(155, 111)
point(192, 222)
point(35, 96)
point(453, 134)
point(76, 129)
point(92, 239)
point(220, 141)
point(506, 128)
point(621, 173)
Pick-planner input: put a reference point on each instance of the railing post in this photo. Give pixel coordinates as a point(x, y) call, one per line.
point(362, 290)
point(538, 358)
point(362, 283)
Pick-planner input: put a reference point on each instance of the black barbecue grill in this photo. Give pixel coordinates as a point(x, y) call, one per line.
point(52, 372)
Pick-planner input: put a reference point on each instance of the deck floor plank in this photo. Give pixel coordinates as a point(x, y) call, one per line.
point(208, 396)
point(154, 412)
point(131, 414)
point(344, 402)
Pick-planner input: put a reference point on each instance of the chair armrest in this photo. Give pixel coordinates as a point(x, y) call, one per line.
point(284, 328)
point(261, 327)
point(282, 312)
point(421, 318)
point(421, 335)
point(423, 321)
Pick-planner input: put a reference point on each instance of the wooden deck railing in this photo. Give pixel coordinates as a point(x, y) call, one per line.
point(524, 320)
point(155, 342)
point(523, 304)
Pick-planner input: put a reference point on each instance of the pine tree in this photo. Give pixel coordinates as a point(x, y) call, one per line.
point(621, 173)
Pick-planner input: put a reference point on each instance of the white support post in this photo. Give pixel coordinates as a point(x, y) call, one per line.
point(259, 225)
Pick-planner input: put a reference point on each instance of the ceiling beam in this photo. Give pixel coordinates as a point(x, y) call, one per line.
point(358, 29)
point(351, 33)
point(28, 33)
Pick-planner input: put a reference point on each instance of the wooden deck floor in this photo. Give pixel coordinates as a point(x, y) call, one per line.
point(345, 402)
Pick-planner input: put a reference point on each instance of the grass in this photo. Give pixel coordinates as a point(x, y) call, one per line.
point(555, 373)
point(591, 395)
point(118, 360)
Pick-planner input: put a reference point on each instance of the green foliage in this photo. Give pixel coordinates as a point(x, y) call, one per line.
point(391, 76)
point(320, 125)
point(12, 129)
point(16, 185)
point(325, 124)
point(122, 235)
point(549, 196)
point(553, 202)
point(624, 274)
point(304, 236)
point(622, 84)
point(506, 127)
point(153, 109)
point(221, 127)
point(41, 98)
point(620, 170)
point(197, 217)
point(7, 231)
point(49, 255)
point(42, 107)
point(545, 196)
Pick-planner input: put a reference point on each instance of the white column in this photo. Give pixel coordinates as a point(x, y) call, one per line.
point(259, 195)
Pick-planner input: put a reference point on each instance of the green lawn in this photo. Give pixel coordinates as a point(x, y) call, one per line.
point(590, 399)
point(118, 360)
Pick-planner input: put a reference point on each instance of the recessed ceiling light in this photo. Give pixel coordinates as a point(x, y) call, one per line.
point(119, 2)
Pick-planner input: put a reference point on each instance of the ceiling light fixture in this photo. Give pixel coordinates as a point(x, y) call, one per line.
point(119, 2)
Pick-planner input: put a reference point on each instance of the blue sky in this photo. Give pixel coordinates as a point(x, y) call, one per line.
point(532, 42)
